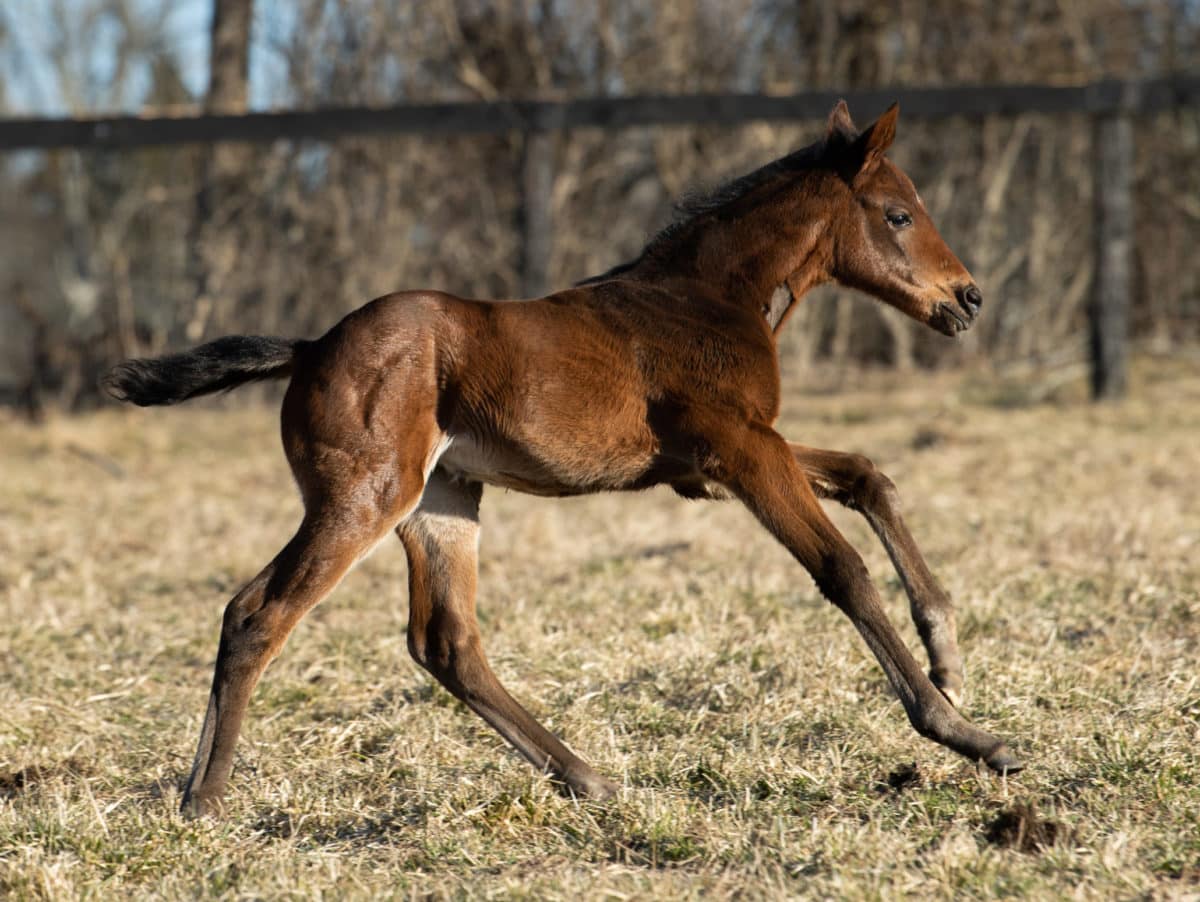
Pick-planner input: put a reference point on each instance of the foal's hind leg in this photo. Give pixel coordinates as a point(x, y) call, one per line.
point(256, 625)
point(441, 538)
point(332, 538)
point(854, 481)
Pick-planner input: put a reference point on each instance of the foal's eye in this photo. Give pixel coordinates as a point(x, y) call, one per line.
point(898, 219)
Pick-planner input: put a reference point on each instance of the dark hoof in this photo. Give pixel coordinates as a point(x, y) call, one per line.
point(1002, 761)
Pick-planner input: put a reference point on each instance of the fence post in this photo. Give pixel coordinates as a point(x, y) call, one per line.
point(537, 225)
point(1112, 281)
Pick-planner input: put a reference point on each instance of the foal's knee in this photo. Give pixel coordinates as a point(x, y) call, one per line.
point(841, 575)
point(870, 488)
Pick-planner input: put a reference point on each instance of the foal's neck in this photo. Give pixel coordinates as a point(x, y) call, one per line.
point(768, 257)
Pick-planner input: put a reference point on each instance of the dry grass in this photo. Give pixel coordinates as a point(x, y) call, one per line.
point(669, 642)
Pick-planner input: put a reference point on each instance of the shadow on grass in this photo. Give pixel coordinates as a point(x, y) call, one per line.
point(378, 830)
point(17, 782)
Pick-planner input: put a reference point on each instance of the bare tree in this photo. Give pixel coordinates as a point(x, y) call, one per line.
point(218, 202)
point(162, 246)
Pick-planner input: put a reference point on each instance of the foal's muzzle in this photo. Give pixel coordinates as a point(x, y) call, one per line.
point(970, 298)
point(950, 319)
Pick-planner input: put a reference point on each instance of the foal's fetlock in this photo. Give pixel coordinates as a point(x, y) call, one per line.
point(933, 724)
point(949, 683)
point(945, 726)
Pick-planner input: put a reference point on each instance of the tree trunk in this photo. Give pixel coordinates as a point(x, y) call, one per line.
point(215, 244)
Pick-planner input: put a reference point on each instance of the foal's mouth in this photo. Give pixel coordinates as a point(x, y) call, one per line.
point(950, 319)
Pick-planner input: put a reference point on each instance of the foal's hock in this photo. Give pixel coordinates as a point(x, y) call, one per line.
point(661, 371)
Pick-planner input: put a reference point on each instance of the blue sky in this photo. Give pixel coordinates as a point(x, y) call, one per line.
point(28, 53)
point(29, 30)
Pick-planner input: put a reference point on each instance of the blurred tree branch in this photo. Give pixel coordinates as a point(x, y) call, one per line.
point(133, 251)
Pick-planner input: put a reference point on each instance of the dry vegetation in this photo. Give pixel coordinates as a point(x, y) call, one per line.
point(670, 642)
point(111, 255)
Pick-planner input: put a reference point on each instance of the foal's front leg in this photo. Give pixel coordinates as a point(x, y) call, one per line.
point(760, 468)
point(854, 481)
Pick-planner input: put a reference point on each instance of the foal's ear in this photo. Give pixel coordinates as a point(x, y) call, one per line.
point(868, 149)
point(840, 124)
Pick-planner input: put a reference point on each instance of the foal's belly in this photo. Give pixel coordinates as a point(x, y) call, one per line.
point(557, 471)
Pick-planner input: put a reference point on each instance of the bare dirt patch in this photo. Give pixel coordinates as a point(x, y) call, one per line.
point(1020, 827)
point(15, 782)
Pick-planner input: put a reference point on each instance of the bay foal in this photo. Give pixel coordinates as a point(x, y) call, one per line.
point(661, 371)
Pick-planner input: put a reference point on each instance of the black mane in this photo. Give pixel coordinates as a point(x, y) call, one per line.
point(694, 206)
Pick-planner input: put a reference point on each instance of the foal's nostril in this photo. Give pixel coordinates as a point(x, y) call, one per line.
point(971, 298)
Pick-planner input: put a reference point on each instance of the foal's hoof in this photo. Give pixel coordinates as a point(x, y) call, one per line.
point(1003, 761)
point(194, 807)
point(592, 787)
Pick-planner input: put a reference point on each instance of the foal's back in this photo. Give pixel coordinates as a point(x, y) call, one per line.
point(589, 389)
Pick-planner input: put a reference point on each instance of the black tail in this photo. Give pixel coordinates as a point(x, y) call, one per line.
point(220, 365)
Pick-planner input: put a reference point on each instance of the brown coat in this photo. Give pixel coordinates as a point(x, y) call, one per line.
point(662, 371)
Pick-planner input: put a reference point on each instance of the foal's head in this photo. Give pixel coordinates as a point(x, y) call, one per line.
point(885, 243)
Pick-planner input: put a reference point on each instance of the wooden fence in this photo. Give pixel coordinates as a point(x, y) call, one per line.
point(1111, 104)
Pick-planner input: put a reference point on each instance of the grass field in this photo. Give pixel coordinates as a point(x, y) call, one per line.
point(670, 643)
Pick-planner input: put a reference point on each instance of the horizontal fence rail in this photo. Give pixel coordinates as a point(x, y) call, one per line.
point(1098, 98)
point(1111, 105)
